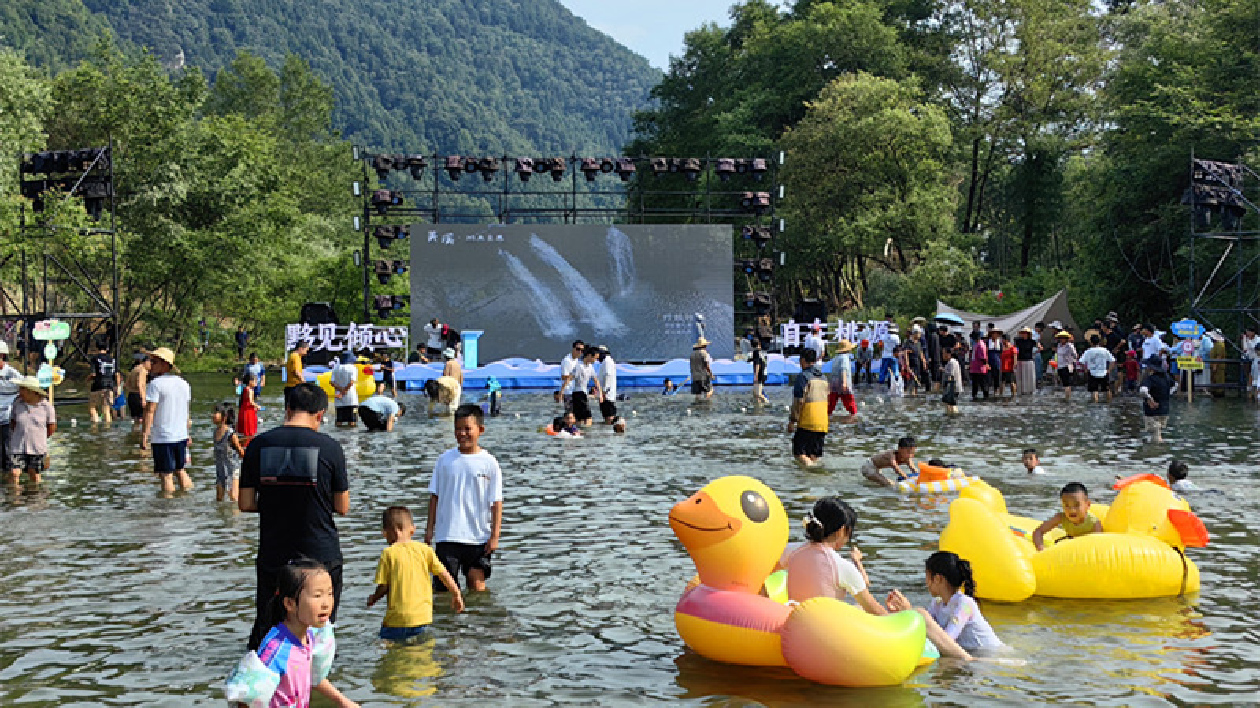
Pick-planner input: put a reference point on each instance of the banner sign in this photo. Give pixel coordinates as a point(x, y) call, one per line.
point(1189, 363)
point(794, 333)
point(46, 330)
point(1187, 329)
point(342, 338)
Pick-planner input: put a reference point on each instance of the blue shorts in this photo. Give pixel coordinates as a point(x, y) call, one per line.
point(169, 458)
point(402, 634)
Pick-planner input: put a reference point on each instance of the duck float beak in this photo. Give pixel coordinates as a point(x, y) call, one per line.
point(699, 523)
point(1191, 529)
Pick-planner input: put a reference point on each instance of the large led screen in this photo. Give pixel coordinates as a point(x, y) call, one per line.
point(534, 289)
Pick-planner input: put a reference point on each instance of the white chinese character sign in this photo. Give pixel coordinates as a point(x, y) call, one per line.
point(794, 333)
point(352, 337)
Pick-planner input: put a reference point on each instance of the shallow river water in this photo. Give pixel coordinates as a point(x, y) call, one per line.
point(112, 595)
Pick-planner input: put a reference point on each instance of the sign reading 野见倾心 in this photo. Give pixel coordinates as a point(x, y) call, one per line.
point(345, 338)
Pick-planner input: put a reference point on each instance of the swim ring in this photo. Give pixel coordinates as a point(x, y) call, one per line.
point(1140, 554)
point(735, 530)
point(935, 480)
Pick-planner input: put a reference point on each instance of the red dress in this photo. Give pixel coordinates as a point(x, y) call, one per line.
point(247, 418)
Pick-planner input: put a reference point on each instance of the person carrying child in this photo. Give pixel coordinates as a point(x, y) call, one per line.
point(466, 503)
point(892, 459)
point(953, 610)
point(228, 452)
point(405, 574)
point(1075, 519)
point(296, 655)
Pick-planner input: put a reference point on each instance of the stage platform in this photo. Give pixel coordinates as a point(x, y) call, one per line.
point(534, 374)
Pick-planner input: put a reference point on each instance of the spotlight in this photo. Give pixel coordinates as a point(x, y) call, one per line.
point(384, 236)
point(746, 200)
point(625, 168)
point(742, 165)
point(470, 164)
point(690, 166)
point(556, 165)
point(384, 271)
point(748, 265)
point(674, 162)
point(761, 202)
point(382, 164)
point(725, 168)
point(416, 165)
point(454, 166)
point(762, 236)
point(660, 166)
point(383, 199)
point(765, 270)
point(524, 168)
point(488, 166)
point(758, 168)
point(606, 165)
point(384, 305)
point(590, 168)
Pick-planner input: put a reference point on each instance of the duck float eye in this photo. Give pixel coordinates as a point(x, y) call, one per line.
point(755, 506)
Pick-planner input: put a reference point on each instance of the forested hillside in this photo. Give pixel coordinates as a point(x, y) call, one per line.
point(451, 75)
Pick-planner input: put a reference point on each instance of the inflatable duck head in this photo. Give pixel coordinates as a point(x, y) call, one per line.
point(734, 529)
point(1148, 508)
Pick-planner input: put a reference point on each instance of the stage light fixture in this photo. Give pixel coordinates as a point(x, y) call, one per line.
point(625, 168)
point(765, 270)
point(384, 271)
point(384, 305)
point(746, 200)
point(762, 236)
point(454, 167)
point(557, 166)
point(742, 165)
point(590, 168)
point(759, 202)
point(748, 265)
point(384, 236)
point(470, 164)
point(606, 165)
point(524, 168)
point(690, 166)
point(382, 164)
point(725, 168)
point(674, 163)
point(416, 165)
point(488, 166)
point(660, 166)
point(383, 199)
point(758, 168)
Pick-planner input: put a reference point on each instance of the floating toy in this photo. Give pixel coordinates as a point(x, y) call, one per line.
point(935, 480)
point(365, 387)
point(1140, 554)
point(735, 530)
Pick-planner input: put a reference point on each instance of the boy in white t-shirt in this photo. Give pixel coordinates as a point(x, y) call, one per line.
point(466, 503)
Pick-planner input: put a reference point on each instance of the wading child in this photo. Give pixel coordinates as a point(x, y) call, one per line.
point(1156, 392)
point(228, 452)
point(953, 610)
point(1031, 464)
point(404, 574)
point(32, 421)
point(247, 420)
point(296, 655)
point(893, 460)
point(1131, 371)
point(466, 503)
point(1075, 518)
point(1177, 473)
point(951, 381)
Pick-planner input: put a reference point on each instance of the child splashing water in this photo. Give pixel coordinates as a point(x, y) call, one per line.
point(296, 655)
point(227, 452)
point(953, 610)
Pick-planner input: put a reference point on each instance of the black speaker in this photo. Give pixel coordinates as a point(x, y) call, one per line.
point(809, 309)
point(315, 313)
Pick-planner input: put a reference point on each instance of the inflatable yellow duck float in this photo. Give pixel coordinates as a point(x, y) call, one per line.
point(365, 386)
point(735, 530)
point(1140, 554)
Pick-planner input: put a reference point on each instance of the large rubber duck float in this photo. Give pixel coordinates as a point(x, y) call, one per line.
point(1140, 554)
point(735, 529)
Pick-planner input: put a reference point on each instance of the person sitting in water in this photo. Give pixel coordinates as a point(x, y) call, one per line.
point(953, 610)
point(1075, 518)
point(670, 388)
point(1177, 473)
point(816, 568)
point(892, 459)
point(565, 426)
point(1031, 463)
point(619, 425)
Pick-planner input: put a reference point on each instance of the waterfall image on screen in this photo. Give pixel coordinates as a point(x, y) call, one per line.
point(533, 289)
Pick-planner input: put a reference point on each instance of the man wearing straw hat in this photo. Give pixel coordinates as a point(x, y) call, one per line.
point(701, 370)
point(33, 420)
point(166, 420)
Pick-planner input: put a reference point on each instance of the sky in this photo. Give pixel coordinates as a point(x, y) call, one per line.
point(653, 28)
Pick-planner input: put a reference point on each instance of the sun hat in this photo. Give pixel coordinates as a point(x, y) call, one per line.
point(1065, 334)
point(164, 354)
point(919, 320)
point(448, 353)
point(700, 343)
point(844, 347)
point(32, 383)
point(1025, 329)
point(1216, 335)
point(1056, 324)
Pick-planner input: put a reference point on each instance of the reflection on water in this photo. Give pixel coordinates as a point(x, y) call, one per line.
point(111, 595)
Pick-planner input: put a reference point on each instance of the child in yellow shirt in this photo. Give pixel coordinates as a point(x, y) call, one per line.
point(404, 574)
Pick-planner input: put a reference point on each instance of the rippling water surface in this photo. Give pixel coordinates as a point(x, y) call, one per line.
point(111, 595)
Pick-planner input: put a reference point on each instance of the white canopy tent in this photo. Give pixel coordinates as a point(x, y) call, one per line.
point(1051, 310)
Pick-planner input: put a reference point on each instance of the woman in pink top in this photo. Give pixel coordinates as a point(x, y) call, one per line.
point(979, 369)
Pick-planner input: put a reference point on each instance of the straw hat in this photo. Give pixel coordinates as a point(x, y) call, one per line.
point(31, 383)
point(700, 343)
point(919, 320)
point(1065, 335)
point(844, 347)
point(1216, 335)
point(164, 354)
point(1023, 330)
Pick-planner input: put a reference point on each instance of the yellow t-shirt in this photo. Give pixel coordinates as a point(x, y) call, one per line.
point(408, 568)
point(293, 368)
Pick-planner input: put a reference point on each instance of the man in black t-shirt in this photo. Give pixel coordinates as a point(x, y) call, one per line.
point(295, 478)
point(105, 379)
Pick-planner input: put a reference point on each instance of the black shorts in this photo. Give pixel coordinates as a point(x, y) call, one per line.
point(459, 559)
point(169, 458)
point(345, 414)
point(581, 406)
point(1008, 377)
point(1096, 384)
point(387, 378)
point(701, 387)
point(1065, 378)
point(433, 354)
point(371, 419)
point(135, 407)
point(608, 409)
point(808, 443)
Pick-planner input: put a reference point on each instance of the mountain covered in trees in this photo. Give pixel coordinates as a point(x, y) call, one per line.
point(456, 76)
